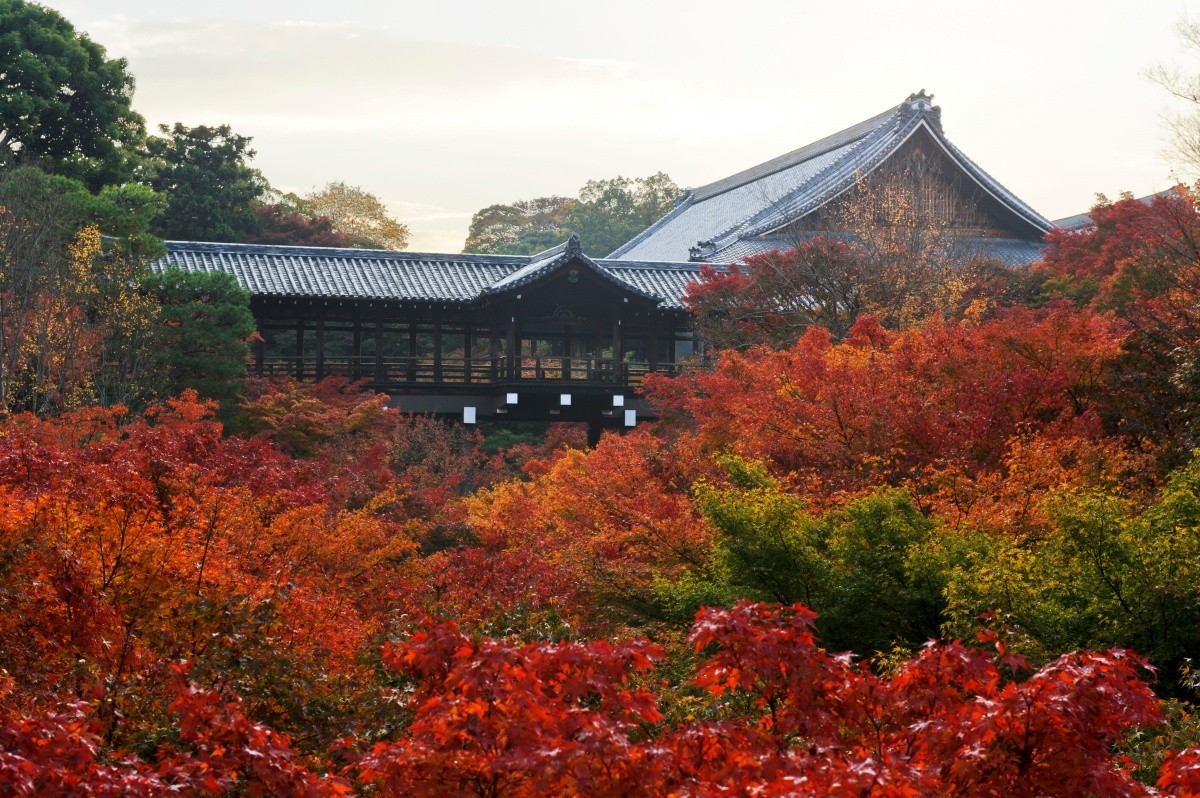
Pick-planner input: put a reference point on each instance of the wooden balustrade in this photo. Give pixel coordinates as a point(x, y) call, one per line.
point(402, 371)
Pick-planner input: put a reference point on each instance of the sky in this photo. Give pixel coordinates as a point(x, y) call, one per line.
point(443, 108)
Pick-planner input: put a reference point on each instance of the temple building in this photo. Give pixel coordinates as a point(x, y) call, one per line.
point(562, 336)
point(555, 336)
point(811, 191)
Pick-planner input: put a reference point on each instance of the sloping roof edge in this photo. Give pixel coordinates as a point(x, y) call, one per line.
point(545, 263)
point(817, 148)
point(368, 275)
point(868, 144)
point(843, 179)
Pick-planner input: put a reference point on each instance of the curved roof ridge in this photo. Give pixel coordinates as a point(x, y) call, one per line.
point(546, 262)
point(832, 142)
point(285, 250)
point(829, 182)
point(849, 136)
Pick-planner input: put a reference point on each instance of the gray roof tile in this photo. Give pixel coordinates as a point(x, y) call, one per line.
point(277, 271)
point(756, 202)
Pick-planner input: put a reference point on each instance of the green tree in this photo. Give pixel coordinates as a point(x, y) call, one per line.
point(1105, 574)
point(63, 104)
point(524, 227)
point(610, 212)
point(606, 214)
point(865, 567)
point(205, 322)
point(72, 323)
point(358, 214)
point(210, 188)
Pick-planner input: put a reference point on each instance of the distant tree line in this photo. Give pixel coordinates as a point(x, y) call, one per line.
point(86, 197)
point(68, 111)
point(606, 214)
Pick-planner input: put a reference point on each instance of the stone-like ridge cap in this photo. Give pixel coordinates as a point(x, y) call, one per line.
point(837, 178)
point(795, 157)
point(651, 265)
point(210, 247)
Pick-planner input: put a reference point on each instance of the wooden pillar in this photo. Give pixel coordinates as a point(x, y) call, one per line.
point(594, 430)
point(300, 348)
point(566, 362)
point(597, 350)
point(467, 353)
point(653, 345)
point(511, 353)
point(412, 350)
point(437, 351)
point(320, 349)
point(380, 376)
point(618, 353)
point(355, 370)
point(495, 354)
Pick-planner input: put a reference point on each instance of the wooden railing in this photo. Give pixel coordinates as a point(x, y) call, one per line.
point(464, 371)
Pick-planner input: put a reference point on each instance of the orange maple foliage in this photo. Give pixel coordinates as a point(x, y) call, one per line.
point(886, 407)
point(500, 719)
point(612, 519)
point(132, 543)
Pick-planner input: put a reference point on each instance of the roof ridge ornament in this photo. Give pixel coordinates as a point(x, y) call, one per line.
point(701, 251)
point(921, 104)
point(573, 248)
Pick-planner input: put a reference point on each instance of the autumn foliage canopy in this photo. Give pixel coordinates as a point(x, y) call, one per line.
point(947, 555)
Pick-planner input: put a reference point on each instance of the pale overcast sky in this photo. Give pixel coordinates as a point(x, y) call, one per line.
point(442, 108)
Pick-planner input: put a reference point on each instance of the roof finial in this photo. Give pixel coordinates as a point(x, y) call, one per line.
point(920, 101)
point(573, 246)
point(921, 104)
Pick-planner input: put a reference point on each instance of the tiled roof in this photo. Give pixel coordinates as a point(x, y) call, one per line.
point(546, 262)
point(1083, 221)
point(277, 271)
point(667, 280)
point(1079, 221)
point(716, 222)
point(1009, 251)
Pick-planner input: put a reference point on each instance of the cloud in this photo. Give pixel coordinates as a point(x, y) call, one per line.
point(326, 76)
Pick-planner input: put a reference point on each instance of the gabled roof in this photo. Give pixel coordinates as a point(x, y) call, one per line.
point(546, 263)
point(725, 221)
point(366, 274)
